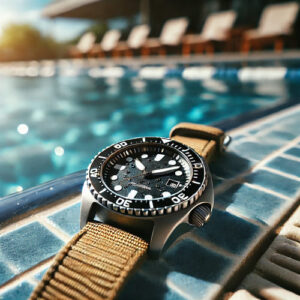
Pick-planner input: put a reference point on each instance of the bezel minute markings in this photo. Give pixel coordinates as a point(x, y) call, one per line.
point(138, 176)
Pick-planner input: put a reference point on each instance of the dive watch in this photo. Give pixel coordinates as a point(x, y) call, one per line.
point(136, 195)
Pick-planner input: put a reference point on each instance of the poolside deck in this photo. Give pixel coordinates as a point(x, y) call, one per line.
point(257, 186)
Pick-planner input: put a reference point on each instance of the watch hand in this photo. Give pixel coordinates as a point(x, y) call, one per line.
point(139, 164)
point(163, 171)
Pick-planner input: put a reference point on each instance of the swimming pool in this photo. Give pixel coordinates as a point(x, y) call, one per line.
point(51, 124)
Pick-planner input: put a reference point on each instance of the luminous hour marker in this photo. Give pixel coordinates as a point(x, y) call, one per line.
point(118, 188)
point(172, 162)
point(119, 167)
point(144, 156)
point(178, 173)
point(132, 194)
point(166, 194)
point(148, 197)
point(129, 159)
point(139, 164)
point(114, 177)
point(159, 157)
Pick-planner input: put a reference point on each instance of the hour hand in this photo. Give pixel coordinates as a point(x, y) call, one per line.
point(164, 171)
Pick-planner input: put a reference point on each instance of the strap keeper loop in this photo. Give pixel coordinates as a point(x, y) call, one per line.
point(202, 132)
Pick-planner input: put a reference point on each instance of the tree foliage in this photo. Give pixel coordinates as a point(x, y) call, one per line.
point(24, 42)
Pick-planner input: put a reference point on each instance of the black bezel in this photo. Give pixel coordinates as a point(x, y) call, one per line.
point(182, 199)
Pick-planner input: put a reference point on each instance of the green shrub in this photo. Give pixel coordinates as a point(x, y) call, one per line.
point(24, 42)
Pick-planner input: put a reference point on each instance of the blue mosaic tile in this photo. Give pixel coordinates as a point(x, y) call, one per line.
point(229, 165)
point(237, 138)
point(254, 151)
point(172, 295)
point(191, 287)
point(22, 247)
point(67, 219)
point(5, 273)
point(285, 165)
point(236, 235)
point(192, 280)
point(20, 292)
point(292, 124)
point(294, 151)
point(195, 268)
point(278, 136)
point(138, 287)
point(275, 182)
point(151, 275)
point(251, 203)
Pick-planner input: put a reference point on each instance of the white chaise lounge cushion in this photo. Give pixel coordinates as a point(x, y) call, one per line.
point(138, 36)
point(110, 40)
point(217, 25)
point(276, 19)
point(215, 28)
point(86, 42)
point(173, 31)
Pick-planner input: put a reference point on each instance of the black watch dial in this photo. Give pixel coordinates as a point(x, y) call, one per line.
point(147, 172)
point(147, 176)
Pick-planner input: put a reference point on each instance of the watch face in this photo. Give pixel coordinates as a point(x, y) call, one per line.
point(147, 176)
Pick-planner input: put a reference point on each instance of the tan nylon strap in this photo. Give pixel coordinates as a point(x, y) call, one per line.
point(206, 140)
point(93, 265)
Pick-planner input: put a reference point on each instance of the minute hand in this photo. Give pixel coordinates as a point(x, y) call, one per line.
point(164, 171)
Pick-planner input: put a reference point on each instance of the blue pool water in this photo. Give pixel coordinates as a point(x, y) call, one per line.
point(52, 126)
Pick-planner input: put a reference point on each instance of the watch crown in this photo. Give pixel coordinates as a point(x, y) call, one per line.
point(200, 215)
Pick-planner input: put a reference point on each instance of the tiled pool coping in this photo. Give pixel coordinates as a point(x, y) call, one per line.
point(154, 71)
point(257, 184)
point(253, 67)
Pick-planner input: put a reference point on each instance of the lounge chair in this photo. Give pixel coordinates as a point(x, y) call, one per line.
point(215, 31)
point(84, 46)
point(136, 39)
point(275, 27)
point(171, 36)
point(108, 43)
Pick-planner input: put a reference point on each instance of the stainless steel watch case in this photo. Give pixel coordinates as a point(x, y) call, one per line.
point(154, 229)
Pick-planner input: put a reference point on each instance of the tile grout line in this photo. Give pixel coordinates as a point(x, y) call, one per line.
point(290, 157)
point(267, 191)
point(26, 275)
point(239, 179)
point(281, 173)
point(278, 152)
point(177, 290)
point(239, 215)
point(229, 182)
point(44, 213)
point(202, 242)
point(56, 231)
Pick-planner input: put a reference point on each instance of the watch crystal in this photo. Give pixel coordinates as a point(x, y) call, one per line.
point(147, 176)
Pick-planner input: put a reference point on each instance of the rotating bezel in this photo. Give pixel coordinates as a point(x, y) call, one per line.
point(180, 200)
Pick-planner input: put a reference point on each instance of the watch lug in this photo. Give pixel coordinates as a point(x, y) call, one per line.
point(88, 206)
point(163, 229)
